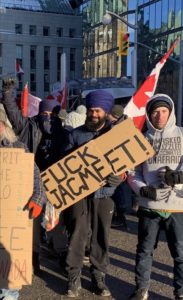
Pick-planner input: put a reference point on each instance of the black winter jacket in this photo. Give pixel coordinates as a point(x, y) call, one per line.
point(29, 132)
point(80, 136)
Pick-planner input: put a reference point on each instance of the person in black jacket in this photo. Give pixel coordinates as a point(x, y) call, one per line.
point(97, 208)
point(44, 136)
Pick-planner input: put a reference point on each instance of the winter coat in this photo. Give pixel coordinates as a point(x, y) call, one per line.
point(168, 144)
point(80, 136)
point(47, 150)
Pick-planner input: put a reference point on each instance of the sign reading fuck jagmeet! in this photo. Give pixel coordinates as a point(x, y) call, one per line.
point(84, 170)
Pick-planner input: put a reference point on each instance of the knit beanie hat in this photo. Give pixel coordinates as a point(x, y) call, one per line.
point(100, 98)
point(74, 119)
point(49, 105)
point(81, 109)
point(160, 101)
point(117, 111)
point(3, 117)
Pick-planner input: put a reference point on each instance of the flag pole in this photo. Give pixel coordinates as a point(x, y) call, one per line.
point(63, 70)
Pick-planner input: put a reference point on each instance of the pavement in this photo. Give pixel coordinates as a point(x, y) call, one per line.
point(51, 285)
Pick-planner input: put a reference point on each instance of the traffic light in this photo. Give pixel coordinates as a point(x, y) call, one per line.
point(123, 43)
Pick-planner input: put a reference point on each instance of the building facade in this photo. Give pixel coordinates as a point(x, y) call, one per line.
point(159, 22)
point(100, 58)
point(34, 35)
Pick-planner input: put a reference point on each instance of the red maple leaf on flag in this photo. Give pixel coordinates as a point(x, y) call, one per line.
point(60, 96)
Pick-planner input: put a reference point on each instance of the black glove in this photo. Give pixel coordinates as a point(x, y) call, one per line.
point(8, 83)
point(156, 194)
point(113, 180)
point(173, 177)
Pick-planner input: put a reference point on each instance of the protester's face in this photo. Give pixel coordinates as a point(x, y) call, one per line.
point(159, 117)
point(2, 128)
point(96, 117)
point(96, 114)
point(49, 122)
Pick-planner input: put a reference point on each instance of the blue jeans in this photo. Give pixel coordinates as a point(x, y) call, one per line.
point(150, 224)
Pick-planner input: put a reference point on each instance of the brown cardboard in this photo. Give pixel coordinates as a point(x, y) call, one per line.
point(16, 187)
point(117, 151)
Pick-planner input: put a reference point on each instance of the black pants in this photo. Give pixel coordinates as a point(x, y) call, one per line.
point(148, 231)
point(99, 212)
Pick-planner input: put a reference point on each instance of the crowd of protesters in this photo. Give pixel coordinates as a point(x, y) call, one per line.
point(54, 133)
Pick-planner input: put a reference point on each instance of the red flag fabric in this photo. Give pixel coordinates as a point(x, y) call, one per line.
point(19, 70)
point(135, 108)
point(24, 101)
point(60, 96)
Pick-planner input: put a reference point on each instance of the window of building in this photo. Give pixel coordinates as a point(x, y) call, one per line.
point(178, 13)
point(72, 62)
point(72, 32)
point(59, 31)
point(46, 31)
point(19, 54)
point(164, 20)
point(0, 50)
point(152, 18)
point(33, 82)
point(18, 28)
point(32, 29)
point(146, 18)
point(171, 15)
point(59, 53)
point(46, 82)
point(1, 70)
point(33, 57)
point(158, 18)
point(46, 58)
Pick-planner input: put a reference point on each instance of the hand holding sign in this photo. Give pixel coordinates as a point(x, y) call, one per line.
point(113, 180)
point(34, 209)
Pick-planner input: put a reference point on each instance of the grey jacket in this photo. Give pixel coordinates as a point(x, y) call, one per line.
point(168, 144)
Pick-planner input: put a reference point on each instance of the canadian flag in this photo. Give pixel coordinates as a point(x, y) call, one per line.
point(19, 70)
point(135, 108)
point(60, 96)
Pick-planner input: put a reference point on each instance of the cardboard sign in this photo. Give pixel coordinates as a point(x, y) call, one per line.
point(84, 170)
point(16, 187)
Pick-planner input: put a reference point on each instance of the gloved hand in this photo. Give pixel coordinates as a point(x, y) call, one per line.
point(8, 83)
point(172, 177)
point(34, 209)
point(114, 180)
point(123, 176)
point(156, 194)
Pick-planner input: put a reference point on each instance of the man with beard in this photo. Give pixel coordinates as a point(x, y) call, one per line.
point(97, 208)
point(44, 136)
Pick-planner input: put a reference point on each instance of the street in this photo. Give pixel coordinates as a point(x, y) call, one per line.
point(120, 279)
